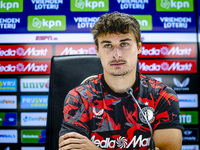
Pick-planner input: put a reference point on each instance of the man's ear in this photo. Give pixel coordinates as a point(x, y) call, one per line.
point(97, 50)
point(139, 47)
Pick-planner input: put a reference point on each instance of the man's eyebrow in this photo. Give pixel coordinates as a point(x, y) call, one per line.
point(127, 39)
point(105, 42)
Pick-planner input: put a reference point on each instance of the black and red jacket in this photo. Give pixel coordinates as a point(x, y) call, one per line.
point(112, 120)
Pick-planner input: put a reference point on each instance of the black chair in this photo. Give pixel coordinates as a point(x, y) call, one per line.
point(67, 72)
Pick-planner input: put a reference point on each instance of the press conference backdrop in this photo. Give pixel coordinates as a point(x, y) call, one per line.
point(32, 31)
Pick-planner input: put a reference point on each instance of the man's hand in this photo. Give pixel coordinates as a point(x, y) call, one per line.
point(75, 140)
point(168, 139)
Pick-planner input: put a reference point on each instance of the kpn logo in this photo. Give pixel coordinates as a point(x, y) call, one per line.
point(47, 23)
point(145, 21)
point(89, 5)
point(11, 6)
point(175, 5)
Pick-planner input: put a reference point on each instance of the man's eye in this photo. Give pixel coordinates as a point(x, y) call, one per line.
point(107, 46)
point(124, 44)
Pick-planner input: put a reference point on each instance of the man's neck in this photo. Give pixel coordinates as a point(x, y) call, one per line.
point(119, 84)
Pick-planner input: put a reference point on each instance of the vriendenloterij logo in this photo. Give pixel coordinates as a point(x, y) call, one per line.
point(175, 5)
point(89, 5)
point(11, 6)
point(145, 21)
point(47, 23)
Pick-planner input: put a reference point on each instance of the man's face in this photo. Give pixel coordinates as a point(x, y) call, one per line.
point(118, 53)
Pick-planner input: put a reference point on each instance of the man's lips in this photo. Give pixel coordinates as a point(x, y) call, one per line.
point(117, 64)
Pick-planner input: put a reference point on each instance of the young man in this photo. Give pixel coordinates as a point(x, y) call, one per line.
point(99, 114)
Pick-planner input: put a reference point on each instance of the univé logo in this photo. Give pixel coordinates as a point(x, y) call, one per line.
point(47, 23)
point(21, 51)
point(11, 5)
point(34, 84)
point(175, 5)
point(89, 5)
point(24, 67)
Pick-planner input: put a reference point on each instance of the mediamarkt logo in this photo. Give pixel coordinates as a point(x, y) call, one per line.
point(121, 142)
point(75, 49)
point(24, 67)
point(168, 66)
point(29, 51)
point(170, 50)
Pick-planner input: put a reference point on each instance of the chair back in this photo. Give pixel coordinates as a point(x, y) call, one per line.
point(67, 72)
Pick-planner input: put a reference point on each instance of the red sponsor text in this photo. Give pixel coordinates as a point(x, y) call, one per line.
point(168, 51)
point(25, 51)
point(75, 49)
point(24, 67)
point(167, 66)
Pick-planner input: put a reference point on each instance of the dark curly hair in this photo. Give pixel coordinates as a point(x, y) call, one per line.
point(116, 23)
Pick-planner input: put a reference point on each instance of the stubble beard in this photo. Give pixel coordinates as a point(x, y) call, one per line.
point(118, 74)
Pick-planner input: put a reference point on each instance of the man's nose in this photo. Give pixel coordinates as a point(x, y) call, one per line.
point(116, 53)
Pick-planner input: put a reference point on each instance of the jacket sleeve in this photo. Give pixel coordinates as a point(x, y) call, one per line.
point(75, 116)
point(167, 110)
